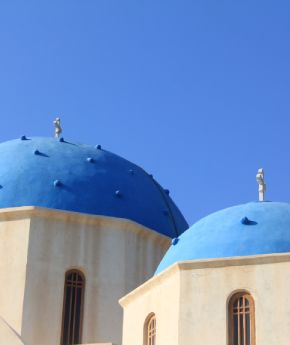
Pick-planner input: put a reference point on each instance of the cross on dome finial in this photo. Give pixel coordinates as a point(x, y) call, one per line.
point(57, 126)
point(262, 185)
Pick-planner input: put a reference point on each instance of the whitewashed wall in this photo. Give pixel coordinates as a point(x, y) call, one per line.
point(190, 301)
point(115, 255)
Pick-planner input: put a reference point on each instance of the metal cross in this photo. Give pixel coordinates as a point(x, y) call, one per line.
point(262, 185)
point(58, 129)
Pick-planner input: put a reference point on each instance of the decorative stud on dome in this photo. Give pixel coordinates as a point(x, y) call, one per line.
point(36, 152)
point(131, 171)
point(98, 147)
point(90, 160)
point(262, 186)
point(57, 183)
point(118, 193)
point(167, 191)
point(247, 221)
point(57, 128)
point(23, 137)
point(174, 241)
point(1, 186)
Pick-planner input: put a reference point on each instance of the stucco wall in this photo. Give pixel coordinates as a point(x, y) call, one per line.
point(207, 291)
point(14, 235)
point(8, 335)
point(159, 296)
point(201, 309)
point(114, 254)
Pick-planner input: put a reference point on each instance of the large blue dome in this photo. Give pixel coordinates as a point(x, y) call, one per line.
point(63, 175)
point(249, 229)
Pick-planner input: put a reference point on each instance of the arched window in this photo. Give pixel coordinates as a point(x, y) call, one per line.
point(241, 319)
point(74, 287)
point(150, 330)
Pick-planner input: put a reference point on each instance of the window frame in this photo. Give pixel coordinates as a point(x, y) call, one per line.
point(82, 298)
point(231, 331)
point(150, 339)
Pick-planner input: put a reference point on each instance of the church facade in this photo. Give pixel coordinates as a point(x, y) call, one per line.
point(80, 227)
point(94, 251)
point(223, 282)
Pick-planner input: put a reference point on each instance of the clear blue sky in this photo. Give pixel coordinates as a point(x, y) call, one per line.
point(197, 92)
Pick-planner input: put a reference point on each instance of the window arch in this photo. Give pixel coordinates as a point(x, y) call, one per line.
point(241, 319)
point(150, 330)
point(73, 302)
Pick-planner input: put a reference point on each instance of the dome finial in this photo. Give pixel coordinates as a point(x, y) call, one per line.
point(262, 185)
point(57, 127)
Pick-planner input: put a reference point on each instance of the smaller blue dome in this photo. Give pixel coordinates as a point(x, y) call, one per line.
point(248, 229)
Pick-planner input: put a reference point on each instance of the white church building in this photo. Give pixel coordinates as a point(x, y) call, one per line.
point(94, 251)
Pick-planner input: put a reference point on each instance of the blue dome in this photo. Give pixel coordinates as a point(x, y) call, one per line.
point(249, 229)
point(57, 174)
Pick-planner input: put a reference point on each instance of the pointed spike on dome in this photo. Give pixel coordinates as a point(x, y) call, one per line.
point(245, 221)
